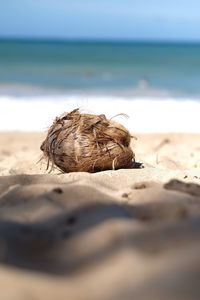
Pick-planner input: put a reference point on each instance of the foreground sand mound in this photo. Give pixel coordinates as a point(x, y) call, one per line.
point(112, 235)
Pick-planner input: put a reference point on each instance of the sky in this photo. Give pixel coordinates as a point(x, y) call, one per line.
point(177, 20)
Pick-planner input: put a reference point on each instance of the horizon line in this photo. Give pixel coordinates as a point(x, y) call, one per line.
point(97, 40)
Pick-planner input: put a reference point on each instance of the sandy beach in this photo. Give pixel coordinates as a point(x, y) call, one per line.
point(125, 234)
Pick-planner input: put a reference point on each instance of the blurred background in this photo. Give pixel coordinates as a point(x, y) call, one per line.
point(127, 49)
point(100, 45)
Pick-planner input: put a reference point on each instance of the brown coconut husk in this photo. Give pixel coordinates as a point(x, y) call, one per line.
point(89, 143)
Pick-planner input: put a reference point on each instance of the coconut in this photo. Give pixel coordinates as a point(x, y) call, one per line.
point(88, 143)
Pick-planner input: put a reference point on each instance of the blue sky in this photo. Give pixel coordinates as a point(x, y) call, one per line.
point(101, 19)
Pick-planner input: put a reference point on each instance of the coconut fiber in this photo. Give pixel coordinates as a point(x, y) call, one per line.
point(89, 143)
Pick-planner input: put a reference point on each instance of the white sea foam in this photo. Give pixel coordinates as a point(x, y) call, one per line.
point(145, 114)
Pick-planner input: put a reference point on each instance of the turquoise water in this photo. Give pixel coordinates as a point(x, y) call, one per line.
point(100, 66)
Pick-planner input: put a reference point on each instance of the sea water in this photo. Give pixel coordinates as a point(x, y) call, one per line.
point(156, 84)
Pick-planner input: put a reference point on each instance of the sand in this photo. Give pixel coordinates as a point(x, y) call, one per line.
point(125, 234)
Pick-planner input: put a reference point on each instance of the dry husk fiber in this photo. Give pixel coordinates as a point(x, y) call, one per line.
point(85, 142)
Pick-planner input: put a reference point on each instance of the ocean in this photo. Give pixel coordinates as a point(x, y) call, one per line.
point(156, 84)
